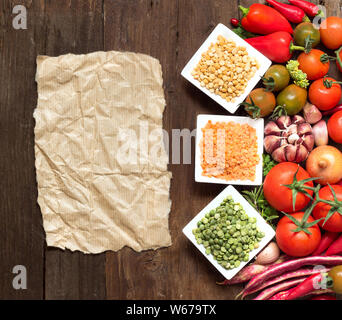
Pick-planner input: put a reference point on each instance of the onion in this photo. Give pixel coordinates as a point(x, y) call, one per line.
point(320, 132)
point(325, 163)
point(268, 255)
point(311, 113)
point(289, 139)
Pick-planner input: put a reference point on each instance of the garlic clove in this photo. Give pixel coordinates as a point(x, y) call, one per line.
point(298, 119)
point(302, 154)
point(293, 138)
point(271, 143)
point(292, 129)
point(304, 128)
point(290, 152)
point(311, 113)
point(308, 142)
point(279, 154)
point(272, 129)
point(283, 122)
point(320, 132)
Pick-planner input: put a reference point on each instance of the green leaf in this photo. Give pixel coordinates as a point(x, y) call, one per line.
point(329, 215)
point(294, 220)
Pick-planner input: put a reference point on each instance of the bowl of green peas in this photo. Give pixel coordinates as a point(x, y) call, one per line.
point(229, 232)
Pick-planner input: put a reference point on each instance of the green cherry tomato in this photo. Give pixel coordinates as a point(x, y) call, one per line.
point(293, 98)
point(336, 275)
point(304, 30)
point(279, 74)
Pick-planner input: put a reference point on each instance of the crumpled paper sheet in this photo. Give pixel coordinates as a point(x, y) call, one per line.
point(100, 159)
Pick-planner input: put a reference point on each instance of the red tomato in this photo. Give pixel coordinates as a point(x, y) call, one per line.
point(297, 244)
point(311, 64)
point(334, 224)
point(322, 96)
point(279, 196)
point(331, 32)
point(335, 127)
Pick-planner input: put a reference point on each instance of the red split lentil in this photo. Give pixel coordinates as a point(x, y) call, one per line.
point(229, 151)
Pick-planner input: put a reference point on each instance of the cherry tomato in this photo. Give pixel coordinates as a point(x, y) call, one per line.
point(293, 99)
point(262, 99)
point(336, 275)
point(323, 96)
point(335, 127)
point(279, 196)
point(321, 210)
point(235, 22)
point(304, 30)
point(331, 32)
point(311, 64)
point(279, 74)
point(297, 244)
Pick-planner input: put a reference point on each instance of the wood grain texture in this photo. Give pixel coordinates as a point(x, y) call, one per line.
point(21, 232)
point(73, 26)
point(170, 30)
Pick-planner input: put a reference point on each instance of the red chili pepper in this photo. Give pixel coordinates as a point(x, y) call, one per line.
point(235, 22)
point(332, 111)
point(309, 285)
point(262, 19)
point(277, 46)
point(327, 239)
point(324, 297)
point(309, 8)
point(291, 13)
point(335, 248)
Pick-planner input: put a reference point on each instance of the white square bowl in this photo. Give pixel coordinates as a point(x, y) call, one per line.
point(222, 30)
point(258, 124)
point(250, 211)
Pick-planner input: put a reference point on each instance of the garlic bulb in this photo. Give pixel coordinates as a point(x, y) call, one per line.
point(289, 139)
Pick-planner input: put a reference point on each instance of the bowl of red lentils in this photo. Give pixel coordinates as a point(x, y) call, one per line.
point(229, 150)
point(226, 68)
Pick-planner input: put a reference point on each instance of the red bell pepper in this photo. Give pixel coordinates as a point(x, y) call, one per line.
point(309, 8)
point(335, 248)
point(277, 46)
point(291, 13)
point(327, 239)
point(262, 19)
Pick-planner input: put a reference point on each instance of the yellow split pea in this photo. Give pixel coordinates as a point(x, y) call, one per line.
point(225, 69)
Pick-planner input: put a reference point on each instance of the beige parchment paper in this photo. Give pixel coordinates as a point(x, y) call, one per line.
point(101, 163)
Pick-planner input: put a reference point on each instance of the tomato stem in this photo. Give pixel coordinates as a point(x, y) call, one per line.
point(300, 186)
point(329, 83)
point(338, 57)
point(336, 205)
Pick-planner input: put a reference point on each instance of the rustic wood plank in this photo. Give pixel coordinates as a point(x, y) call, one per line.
point(170, 31)
point(74, 26)
point(21, 233)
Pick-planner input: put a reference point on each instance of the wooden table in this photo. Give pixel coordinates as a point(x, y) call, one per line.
point(170, 30)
